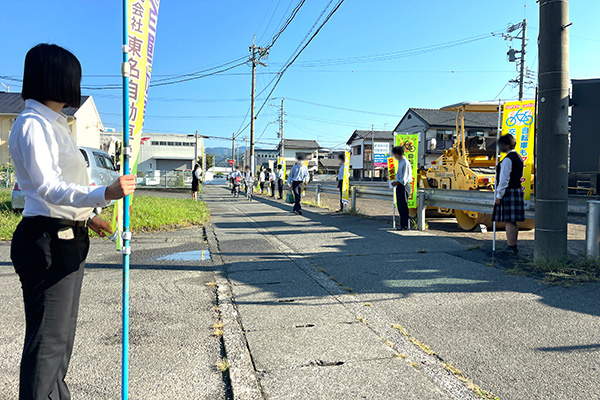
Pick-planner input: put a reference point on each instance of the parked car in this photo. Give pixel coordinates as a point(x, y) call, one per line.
point(100, 167)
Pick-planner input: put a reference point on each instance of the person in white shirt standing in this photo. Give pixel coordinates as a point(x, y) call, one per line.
point(196, 180)
point(403, 186)
point(51, 243)
point(509, 206)
point(340, 179)
point(299, 176)
point(280, 179)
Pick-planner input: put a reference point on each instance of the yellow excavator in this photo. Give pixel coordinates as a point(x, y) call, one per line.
point(468, 165)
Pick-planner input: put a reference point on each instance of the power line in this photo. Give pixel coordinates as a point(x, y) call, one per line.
point(343, 108)
point(284, 69)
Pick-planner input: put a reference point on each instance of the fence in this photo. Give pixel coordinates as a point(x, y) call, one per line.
point(476, 201)
point(165, 179)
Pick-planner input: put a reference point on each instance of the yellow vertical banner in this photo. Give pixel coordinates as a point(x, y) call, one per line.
point(518, 119)
point(392, 169)
point(142, 17)
point(410, 142)
point(346, 180)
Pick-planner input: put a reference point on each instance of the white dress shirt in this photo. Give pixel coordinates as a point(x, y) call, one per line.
point(404, 174)
point(299, 173)
point(280, 174)
point(340, 176)
point(505, 170)
point(50, 168)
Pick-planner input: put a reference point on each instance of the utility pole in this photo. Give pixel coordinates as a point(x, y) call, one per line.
point(523, 51)
point(233, 151)
point(372, 153)
point(195, 149)
point(257, 53)
point(281, 116)
point(551, 180)
point(512, 54)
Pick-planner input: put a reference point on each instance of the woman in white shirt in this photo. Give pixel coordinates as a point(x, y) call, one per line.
point(51, 243)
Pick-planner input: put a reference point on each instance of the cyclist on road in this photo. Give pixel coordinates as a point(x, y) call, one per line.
point(236, 181)
point(249, 182)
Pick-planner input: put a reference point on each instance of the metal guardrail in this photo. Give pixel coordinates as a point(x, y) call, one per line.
point(476, 201)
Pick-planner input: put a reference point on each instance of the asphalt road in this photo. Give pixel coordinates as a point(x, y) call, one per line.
point(173, 352)
point(511, 335)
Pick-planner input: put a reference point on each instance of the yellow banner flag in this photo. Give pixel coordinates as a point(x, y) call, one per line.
point(518, 119)
point(346, 181)
point(410, 142)
point(142, 17)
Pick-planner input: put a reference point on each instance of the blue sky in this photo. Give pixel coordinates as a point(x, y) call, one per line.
point(198, 34)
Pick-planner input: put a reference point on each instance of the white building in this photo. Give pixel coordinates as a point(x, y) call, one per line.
point(84, 122)
point(361, 153)
point(437, 130)
point(308, 148)
point(162, 151)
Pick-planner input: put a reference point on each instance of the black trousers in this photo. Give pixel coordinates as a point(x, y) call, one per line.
point(272, 184)
point(51, 272)
point(402, 194)
point(280, 187)
point(340, 185)
point(297, 190)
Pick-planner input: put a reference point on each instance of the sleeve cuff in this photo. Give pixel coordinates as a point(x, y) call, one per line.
point(98, 197)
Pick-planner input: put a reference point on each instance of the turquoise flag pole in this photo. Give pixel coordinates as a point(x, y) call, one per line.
point(126, 151)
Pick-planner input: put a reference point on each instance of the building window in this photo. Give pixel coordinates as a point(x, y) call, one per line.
point(178, 144)
point(444, 139)
point(154, 143)
point(163, 143)
point(368, 155)
point(170, 143)
point(356, 150)
point(475, 132)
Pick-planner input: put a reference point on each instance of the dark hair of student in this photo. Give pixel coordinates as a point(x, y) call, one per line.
point(342, 156)
point(398, 150)
point(507, 140)
point(52, 74)
point(279, 166)
point(196, 167)
point(300, 157)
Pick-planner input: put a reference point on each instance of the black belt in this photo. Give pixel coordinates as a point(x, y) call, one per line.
point(61, 221)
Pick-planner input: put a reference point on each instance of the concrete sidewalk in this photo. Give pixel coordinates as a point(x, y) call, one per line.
point(173, 352)
point(340, 307)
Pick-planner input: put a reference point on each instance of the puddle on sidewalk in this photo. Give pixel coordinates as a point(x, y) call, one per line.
point(196, 255)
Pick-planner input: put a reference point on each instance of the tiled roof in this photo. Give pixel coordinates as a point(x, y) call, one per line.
point(301, 144)
point(13, 103)
point(329, 162)
point(435, 117)
point(378, 135)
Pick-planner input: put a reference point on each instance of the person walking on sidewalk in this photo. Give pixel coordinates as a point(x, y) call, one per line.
point(196, 178)
point(50, 245)
point(340, 179)
point(403, 186)
point(272, 181)
point(298, 177)
point(280, 179)
point(509, 206)
point(262, 177)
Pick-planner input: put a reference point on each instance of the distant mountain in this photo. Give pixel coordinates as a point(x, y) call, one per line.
point(222, 154)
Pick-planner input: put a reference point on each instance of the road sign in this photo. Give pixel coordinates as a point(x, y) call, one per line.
point(230, 162)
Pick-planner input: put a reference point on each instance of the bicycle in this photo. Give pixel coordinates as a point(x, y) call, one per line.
point(235, 191)
point(249, 189)
point(523, 117)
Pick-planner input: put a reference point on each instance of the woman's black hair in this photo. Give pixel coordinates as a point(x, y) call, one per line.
point(508, 140)
point(196, 167)
point(342, 156)
point(52, 73)
point(398, 150)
